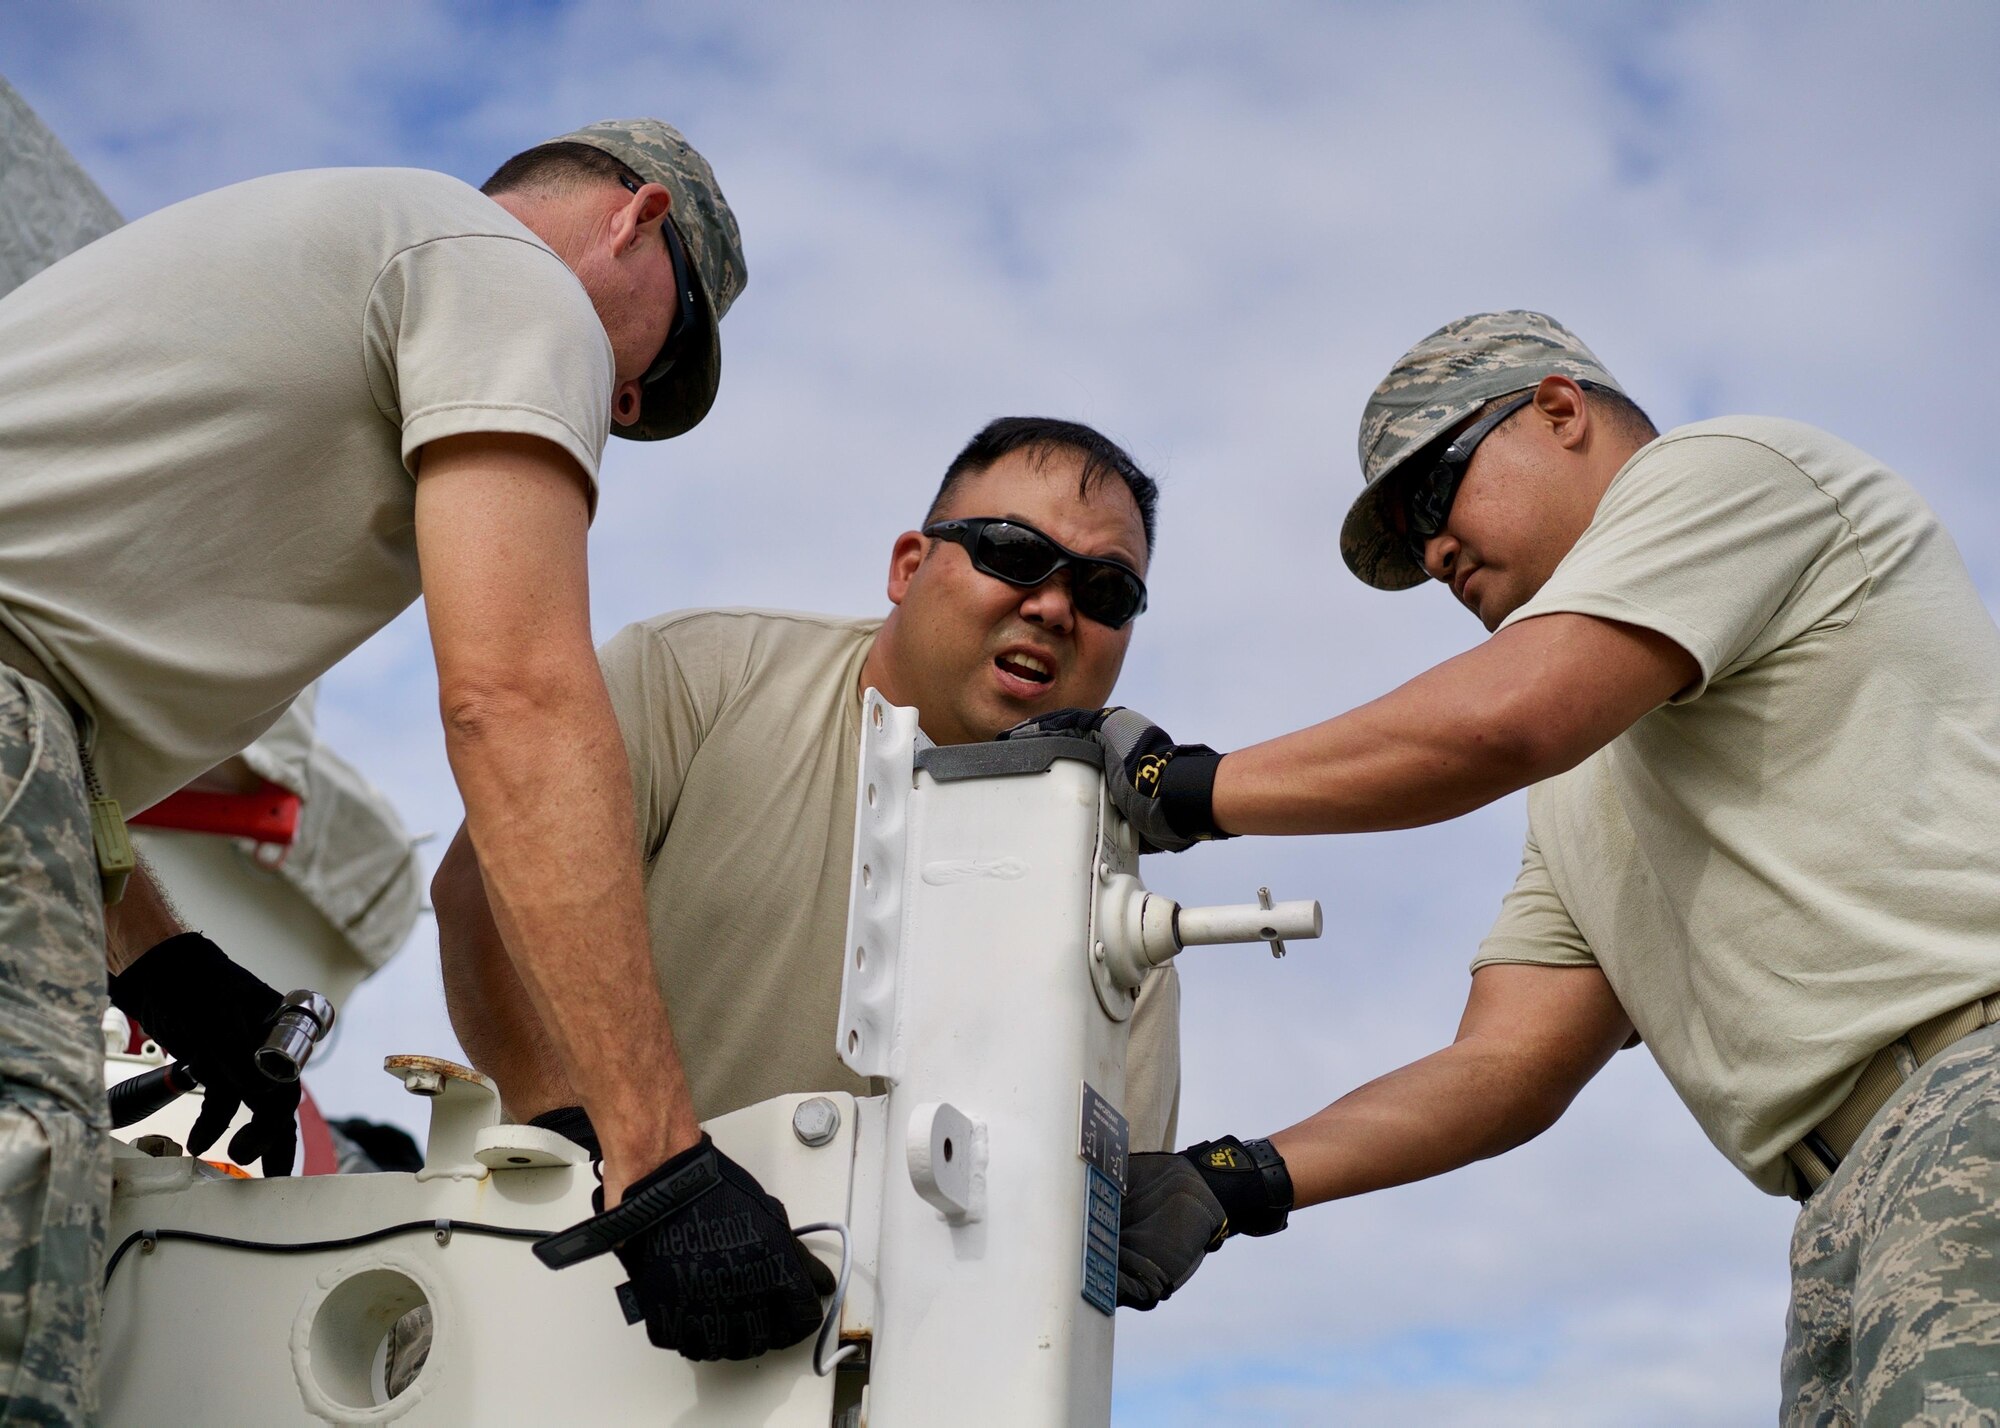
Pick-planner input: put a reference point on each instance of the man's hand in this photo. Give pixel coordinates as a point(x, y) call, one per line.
point(1180, 1207)
point(1163, 789)
point(213, 1015)
point(716, 1271)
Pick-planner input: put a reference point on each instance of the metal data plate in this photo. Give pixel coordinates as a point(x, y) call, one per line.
point(1101, 1206)
point(1104, 1139)
point(1105, 1135)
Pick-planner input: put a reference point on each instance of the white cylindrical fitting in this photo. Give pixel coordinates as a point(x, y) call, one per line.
point(1247, 922)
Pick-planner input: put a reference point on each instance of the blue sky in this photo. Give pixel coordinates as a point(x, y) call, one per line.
point(1207, 230)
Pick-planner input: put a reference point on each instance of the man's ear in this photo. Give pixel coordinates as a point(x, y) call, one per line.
point(650, 203)
point(628, 402)
point(904, 558)
point(1561, 404)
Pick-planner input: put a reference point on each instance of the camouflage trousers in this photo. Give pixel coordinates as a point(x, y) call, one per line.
point(1895, 1314)
point(55, 1147)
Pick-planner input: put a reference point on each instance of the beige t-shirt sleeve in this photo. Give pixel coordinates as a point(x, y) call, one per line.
point(662, 718)
point(1704, 539)
point(1534, 927)
point(484, 333)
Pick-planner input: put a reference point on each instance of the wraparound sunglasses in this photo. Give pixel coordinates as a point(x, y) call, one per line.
point(1014, 551)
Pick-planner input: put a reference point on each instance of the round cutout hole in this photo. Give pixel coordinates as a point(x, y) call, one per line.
point(355, 1338)
point(947, 1148)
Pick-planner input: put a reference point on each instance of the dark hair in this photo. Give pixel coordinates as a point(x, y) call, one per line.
point(1622, 412)
point(1614, 408)
point(562, 164)
point(1042, 437)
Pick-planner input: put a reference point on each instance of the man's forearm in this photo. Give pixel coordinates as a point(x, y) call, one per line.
point(1532, 701)
point(490, 1009)
point(1451, 1108)
point(1530, 1039)
point(548, 806)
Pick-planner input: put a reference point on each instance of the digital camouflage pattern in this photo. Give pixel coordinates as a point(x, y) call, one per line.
point(55, 1147)
point(1435, 385)
point(1895, 1314)
point(657, 153)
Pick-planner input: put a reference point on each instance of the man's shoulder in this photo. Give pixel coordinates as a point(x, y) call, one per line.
point(399, 208)
point(1775, 440)
point(741, 636)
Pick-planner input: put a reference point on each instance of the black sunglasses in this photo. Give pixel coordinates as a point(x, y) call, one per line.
point(1427, 497)
point(683, 291)
point(1014, 551)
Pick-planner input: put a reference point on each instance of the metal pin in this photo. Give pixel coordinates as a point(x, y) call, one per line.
point(1264, 901)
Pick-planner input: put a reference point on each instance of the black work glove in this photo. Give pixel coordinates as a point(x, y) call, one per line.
point(213, 1015)
point(573, 1123)
point(1181, 1206)
point(716, 1271)
point(1163, 789)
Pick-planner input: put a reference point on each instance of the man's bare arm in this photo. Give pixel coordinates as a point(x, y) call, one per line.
point(138, 920)
point(1529, 1040)
point(490, 1009)
point(1534, 700)
point(539, 762)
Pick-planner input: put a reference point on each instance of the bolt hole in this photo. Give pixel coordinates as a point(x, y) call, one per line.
point(519, 1160)
point(867, 876)
point(860, 958)
point(871, 795)
point(1267, 933)
point(853, 1042)
point(947, 1147)
point(877, 712)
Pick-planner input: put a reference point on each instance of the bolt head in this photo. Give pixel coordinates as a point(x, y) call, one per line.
point(816, 1121)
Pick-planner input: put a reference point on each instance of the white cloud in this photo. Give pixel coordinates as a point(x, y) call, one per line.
point(1209, 232)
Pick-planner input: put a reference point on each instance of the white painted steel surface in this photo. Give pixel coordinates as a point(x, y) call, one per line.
point(198, 1334)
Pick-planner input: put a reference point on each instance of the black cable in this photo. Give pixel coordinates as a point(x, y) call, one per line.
point(443, 1227)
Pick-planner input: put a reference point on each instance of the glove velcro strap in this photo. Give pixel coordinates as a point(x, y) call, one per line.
point(1249, 1179)
point(656, 1198)
point(1187, 792)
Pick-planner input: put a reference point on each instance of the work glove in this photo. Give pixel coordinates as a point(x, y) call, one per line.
point(1163, 789)
point(212, 1015)
point(716, 1270)
point(1180, 1207)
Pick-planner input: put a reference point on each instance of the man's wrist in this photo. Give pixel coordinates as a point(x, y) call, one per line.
point(1250, 1180)
point(1187, 792)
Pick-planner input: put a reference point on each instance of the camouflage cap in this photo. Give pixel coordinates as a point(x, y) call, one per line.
point(1434, 386)
point(700, 215)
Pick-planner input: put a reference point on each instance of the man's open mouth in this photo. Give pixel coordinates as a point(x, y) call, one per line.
point(1025, 666)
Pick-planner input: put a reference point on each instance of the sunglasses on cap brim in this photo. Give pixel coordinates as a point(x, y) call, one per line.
point(1103, 590)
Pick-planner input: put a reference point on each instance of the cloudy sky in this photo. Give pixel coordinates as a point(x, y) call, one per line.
point(1207, 230)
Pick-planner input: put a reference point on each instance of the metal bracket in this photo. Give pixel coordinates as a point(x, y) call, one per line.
point(870, 1026)
point(946, 1150)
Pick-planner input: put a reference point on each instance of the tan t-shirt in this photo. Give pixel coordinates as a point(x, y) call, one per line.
point(743, 727)
point(208, 424)
point(1795, 861)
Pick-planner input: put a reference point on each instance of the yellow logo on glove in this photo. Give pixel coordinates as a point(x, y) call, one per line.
point(1146, 778)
